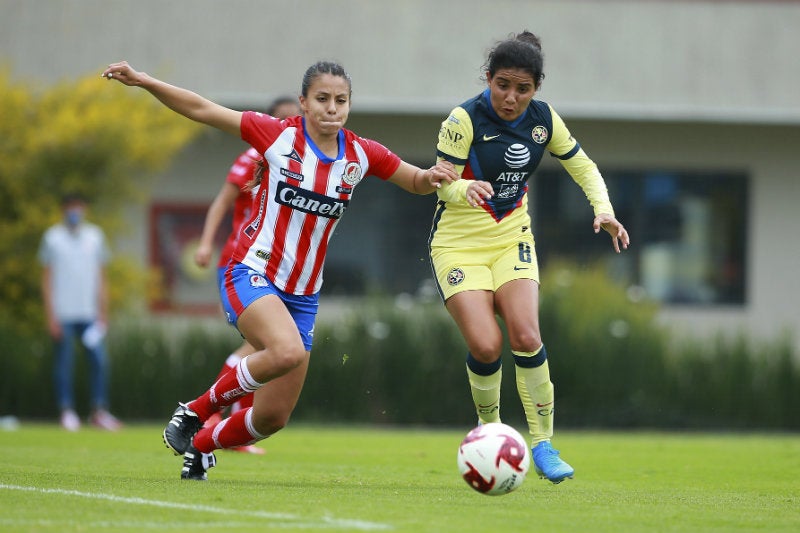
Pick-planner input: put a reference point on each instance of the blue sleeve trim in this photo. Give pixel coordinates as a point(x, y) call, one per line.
point(570, 153)
point(448, 157)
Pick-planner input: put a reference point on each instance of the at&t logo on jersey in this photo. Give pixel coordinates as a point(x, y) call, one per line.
point(517, 155)
point(309, 201)
point(512, 177)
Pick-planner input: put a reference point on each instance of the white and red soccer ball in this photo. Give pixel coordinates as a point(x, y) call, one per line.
point(493, 459)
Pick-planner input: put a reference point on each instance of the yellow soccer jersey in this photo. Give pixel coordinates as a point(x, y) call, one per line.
point(482, 146)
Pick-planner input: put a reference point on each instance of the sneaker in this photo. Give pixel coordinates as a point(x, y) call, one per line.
point(196, 464)
point(181, 428)
point(255, 450)
point(105, 420)
point(549, 465)
point(70, 420)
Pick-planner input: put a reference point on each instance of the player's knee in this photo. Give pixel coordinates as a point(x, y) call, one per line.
point(277, 360)
point(485, 352)
point(525, 341)
point(287, 359)
point(271, 422)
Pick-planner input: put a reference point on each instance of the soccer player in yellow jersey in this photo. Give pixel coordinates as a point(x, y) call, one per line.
point(481, 246)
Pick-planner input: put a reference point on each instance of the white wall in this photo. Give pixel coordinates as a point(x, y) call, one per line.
point(603, 58)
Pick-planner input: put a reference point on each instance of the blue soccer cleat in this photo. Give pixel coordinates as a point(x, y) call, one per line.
point(549, 465)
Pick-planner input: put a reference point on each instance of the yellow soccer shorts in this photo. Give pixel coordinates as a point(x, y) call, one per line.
point(484, 268)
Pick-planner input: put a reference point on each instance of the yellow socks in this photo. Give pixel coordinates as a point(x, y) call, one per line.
point(484, 383)
point(536, 392)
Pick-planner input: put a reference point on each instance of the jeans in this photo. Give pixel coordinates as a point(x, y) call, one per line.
point(65, 356)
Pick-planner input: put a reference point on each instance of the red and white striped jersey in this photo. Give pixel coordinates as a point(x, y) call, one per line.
point(303, 194)
point(239, 175)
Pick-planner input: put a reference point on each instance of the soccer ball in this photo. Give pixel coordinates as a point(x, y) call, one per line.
point(493, 459)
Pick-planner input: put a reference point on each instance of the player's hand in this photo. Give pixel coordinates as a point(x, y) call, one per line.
point(202, 256)
point(478, 192)
point(619, 235)
point(123, 73)
point(442, 171)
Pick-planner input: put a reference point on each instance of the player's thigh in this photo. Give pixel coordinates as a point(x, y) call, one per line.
point(267, 324)
point(473, 313)
point(517, 303)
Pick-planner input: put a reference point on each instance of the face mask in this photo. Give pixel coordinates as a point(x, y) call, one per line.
point(74, 216)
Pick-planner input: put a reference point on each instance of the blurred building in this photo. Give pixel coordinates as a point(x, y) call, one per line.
point(690, 109)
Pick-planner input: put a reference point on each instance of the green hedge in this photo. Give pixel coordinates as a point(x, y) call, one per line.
point(401, 361)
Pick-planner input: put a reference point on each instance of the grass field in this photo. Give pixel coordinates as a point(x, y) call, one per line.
point(401, 480)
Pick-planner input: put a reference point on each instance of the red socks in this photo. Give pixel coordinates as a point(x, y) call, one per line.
point(235, 431)
point(234, 384)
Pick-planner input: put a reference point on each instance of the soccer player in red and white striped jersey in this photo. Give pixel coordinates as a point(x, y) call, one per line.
point(236, 197)
point(311, 168)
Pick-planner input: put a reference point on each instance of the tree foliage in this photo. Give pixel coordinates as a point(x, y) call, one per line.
point(84, 136)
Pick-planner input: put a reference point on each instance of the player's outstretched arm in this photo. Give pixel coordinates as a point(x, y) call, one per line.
point(418, 181)
point(182, 101)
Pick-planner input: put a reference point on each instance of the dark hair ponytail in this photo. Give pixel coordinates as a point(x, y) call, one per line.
point(531, 39)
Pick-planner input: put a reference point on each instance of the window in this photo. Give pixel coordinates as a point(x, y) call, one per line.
point(688, 230)
point(174, 236)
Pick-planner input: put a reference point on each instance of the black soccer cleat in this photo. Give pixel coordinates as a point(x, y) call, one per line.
point(181, 429)
point(196, 464)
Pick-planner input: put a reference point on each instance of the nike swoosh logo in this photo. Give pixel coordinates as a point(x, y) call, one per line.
point(544, 404)
point(488, 138)
point(521, 268)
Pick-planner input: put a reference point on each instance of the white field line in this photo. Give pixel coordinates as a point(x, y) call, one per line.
point(291, 520)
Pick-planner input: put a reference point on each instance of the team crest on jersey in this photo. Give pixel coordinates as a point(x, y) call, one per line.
point(539, 135)
point(455, 276)
point(352, 173)
point(257, 280)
